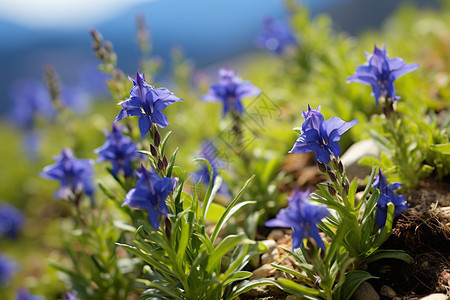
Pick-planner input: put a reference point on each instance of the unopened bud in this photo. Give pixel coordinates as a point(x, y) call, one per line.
point(322, 166)
point(332, 176)
point(340, 167)
point(157, 139)
point(153, 151)
point(331, 190)
point(165, 161)
point(108, 46)
point(160, 164)
point(168, 226)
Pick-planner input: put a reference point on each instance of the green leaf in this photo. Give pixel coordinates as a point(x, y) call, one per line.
point(387, 229)
point(241, 275)
point(352, 192)
point(209, 201)
point(210, 185)
point(297, 289)
point(292, 272)
point(121, 224)
point(246, 286)
point(367, 189)
point(171, 163)
point(164, 142)
point(214, 213)
point(441, 148)
point(353, 280)
point(396, 254)
point(224, 246)
point(231, 209)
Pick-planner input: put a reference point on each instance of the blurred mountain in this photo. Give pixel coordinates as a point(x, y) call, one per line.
point(206, 31)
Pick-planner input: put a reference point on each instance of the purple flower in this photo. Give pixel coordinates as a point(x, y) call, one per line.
point(23, 294)
point(209, 152)
point(150, 193)
point(75, 175)
point(30, 100)
point(146, 103)
point(302, 217)
point(387, 195)
point(380, 72)
point(72, 296)
point(230, 90)
point(276, 37)
point(7, 270)
point(119, 150)
point(321, 136)
point(11, 220)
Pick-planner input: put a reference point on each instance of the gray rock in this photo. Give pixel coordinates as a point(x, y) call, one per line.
point(269, 257)
point(276, 234)
point(365, 292)
point(353, 154)
point(435, 297)
point(292, 297)
point(388, 292)
point(263, 271)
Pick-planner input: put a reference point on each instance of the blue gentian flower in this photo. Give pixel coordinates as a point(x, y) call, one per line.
point(74, 175)
point(23, 294)
point(276, 37)
point(387, 195)
point(209, 152)
point(150, 193)
point(7, 270)
point(146, 103)
point(30, 100)
point(230, 91)
point(380, 72)
point(302, 217)
point(11, 220)
point(321, 136)
point(119, 150)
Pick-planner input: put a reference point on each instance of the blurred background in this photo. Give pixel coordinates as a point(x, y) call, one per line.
point(34, 33)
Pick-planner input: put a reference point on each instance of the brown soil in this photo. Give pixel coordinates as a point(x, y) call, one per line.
point(424, 233)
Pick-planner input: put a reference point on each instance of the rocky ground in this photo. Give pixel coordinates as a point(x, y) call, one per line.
point(423, 232)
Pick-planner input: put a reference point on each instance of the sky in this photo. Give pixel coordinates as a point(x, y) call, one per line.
point(63, 14)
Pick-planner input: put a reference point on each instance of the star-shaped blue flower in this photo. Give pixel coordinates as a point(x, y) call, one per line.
point(321, 136)
point(150, 193)
point(387, 195)
point(276, 37)
point(11, 220)
point(302, 217)
point(119, 150)
point(146, 103)
point(380, 72)
point(230, 91)
point(75, 175)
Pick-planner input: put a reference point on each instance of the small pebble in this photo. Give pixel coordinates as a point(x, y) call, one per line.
point(292, 297)
point(388, 292)
point(269, 257)
point(435, 297)
point(263, 272)
point(365, 292)
point(276, 234)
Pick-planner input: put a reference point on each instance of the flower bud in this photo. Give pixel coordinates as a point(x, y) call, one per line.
point(157, 139)
point(332, 175)
point(331, 190)
point(153, 151)
point(340, 167)
point(160, 164)
point(322, 166)
point(165, 162)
